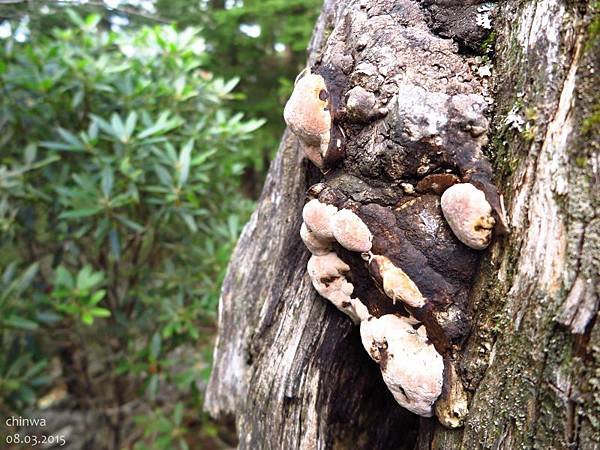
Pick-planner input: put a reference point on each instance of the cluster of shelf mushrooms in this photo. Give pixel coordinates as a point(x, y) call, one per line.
point(411, 367)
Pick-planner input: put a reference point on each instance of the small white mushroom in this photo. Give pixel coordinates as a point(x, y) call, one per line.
point(327, 274)
point(315, 245)
point(469, 215)
point(351, 232)
point(411, 367)
point(319, 218)
point(397, 285)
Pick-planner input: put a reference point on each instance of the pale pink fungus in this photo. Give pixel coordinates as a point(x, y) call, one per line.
point(351, 232)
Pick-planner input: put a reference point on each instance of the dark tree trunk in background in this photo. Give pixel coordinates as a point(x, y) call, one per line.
point(290, 369)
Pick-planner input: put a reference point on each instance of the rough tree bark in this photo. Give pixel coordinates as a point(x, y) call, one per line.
point(290, 369)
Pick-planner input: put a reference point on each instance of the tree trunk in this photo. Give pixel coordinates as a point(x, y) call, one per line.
point(290, 369)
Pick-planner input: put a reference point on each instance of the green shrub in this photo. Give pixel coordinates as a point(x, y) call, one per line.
point(119, 207)
point(267, 61)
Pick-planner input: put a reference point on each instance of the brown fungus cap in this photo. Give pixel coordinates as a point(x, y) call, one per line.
point(397, 285)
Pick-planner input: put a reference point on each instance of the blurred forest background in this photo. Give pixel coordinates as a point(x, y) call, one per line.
point(134, 140)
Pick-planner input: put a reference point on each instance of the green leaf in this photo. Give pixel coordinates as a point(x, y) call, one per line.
point(30, 154)
point(83, 276)
point(155, 345)
point(93, 130)
point(130, 124)
point(44, 162)
point(115, 244)
point(162, 125)
point(252, 125)
point(103, 125)
point(77, 98)
point(9, 272)
point(70, 138)
point(64, 278)
point(87, 318)
point(92, 21)
point(86, 278)
point(97, 297)
point(27, 394)
point(203, 157)
point(170, 152)
point(233, 226)
point(22, 323)
point(119, 127)
point(153, 386)
point(184, 162)
point(78, 213)
point(26, 278)
point(189, 221)
point(178, 414)
point(107, 181)
point(163, 175)
point(102, 229)
point(147, 244)
point(229, 86)
point(179, 85)
point(62, 146)
point(35, 369)
point(122, 200)
point(47, 317)
point(75, 18)
point(100, 312)
point(130, 223)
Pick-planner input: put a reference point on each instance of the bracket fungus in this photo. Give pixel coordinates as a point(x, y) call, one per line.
point(328, 276)
point(407, 268)
point(309, 115)
point(469, 215)
point(315, 245)
point(411, 367)
point(325, 269)
point(318, 217)
point(351, 232)
point(397, 285)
